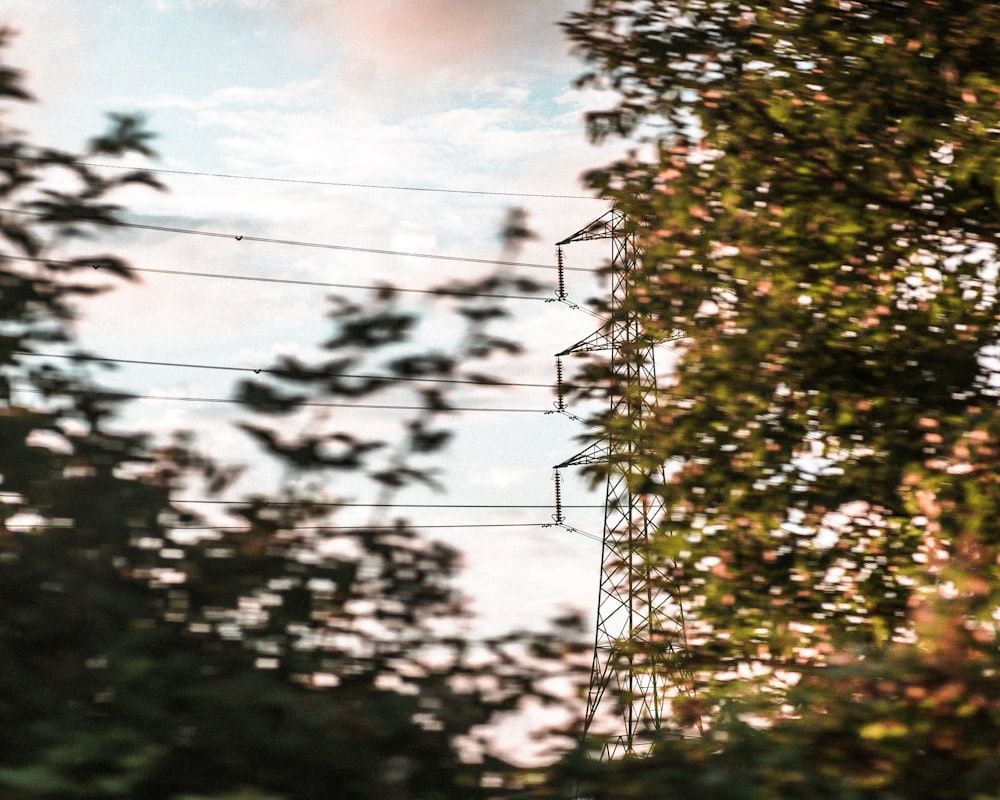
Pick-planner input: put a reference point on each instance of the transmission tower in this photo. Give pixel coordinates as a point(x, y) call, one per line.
point(639, 638)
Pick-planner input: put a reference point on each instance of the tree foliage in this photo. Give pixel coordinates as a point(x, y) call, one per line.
point(816, 194)
point(151, 650)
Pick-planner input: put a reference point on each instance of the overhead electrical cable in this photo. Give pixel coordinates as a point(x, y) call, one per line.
point(279, 503)
point(359, 527)
point(442, 292)
point(362, 526)
point(266, 371)
point(309, 182)
point(66, 525)
point(321, 245)
point(334, 504)
point(125, 396)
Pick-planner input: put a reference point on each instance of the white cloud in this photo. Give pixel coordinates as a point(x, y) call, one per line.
point(404, 36)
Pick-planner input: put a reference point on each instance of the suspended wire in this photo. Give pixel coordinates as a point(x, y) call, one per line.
point(571, 529)
point(163, 171)
point(267, 371)
point(437, 292)
point(365, 527)
point(584, 534)
point(66, 525)
point(325, 284)
point(334, 504)
point(126, 396)
point(298, 243)
point(449, 506)
point(238, 529)
point(440, 292)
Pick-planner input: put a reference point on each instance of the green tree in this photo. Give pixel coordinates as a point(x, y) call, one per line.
point(149, 651)
point(816, 194)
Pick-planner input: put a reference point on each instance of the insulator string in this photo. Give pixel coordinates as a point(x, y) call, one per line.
point(561, 285)
point(561, 400)
point(558, 516)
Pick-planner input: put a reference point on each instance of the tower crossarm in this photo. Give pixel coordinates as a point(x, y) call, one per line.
point(598, 340)
point(604, 227)
point(597, 453)
point(604, 340)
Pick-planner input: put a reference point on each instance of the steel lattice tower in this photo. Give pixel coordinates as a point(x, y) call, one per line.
point(640, 625)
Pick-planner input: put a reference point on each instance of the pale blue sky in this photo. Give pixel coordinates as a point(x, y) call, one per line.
point(457, 94)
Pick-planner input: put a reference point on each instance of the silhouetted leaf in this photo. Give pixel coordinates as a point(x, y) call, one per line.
point(422, 365)
point(261, 397)
point(126, 133)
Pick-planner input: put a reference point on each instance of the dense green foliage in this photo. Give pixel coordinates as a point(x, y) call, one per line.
point(818, 206)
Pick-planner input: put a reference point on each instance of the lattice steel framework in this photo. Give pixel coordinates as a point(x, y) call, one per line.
point(639, 639)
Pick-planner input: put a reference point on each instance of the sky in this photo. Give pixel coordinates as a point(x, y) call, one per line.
point(463, 96)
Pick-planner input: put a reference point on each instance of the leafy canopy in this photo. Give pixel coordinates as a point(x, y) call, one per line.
point(815, 191)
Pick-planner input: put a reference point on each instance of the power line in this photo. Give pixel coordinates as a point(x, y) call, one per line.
point(321, 245)
point(363, 527)
point(343, 184)
point(439, 292)
point(125, 396)
point(333, 504)
point(359, 527)
point(269, 503)
point(442, 292)
point(267, 371)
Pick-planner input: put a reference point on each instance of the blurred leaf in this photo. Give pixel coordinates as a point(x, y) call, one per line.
point(127, 133)
point(261, 397)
